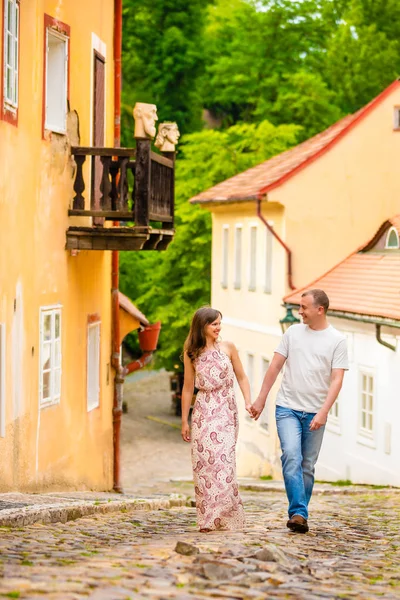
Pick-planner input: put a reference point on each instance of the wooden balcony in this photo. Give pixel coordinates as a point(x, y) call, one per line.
point(131, 199)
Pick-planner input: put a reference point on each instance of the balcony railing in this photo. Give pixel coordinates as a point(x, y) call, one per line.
point(132, 187)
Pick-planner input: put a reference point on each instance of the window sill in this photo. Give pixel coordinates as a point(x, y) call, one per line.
point(333, 428)
point(224, 286)
point(267, 291)
point(237, 286)
point(366, 441)
point(265, 430)
point(58, 130)
point(10, 108)
point(251, 288)
point(48, 403)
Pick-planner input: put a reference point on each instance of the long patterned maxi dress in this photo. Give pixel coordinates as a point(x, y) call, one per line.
point(214, 434)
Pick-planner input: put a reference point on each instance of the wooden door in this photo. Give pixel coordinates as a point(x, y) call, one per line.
point(98, 131)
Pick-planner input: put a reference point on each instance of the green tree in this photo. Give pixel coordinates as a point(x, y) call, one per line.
point(170, 286)
point(253, 50)
point(163, 58)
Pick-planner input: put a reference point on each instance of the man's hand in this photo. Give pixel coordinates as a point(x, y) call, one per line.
point(185, 432)
point(257, 408)
point(248, 407)
point(319, 420)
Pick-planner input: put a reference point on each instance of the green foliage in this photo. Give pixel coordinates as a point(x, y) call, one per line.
point(170, 286)
point(271, 73)
point(163, 58)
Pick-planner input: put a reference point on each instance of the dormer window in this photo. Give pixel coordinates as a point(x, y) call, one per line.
point(392, 239)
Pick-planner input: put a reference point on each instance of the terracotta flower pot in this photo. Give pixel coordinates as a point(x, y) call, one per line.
point(148, 337)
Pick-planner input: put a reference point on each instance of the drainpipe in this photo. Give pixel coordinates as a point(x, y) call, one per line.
point(116, 336)
point(380, 340)
point(280, 240)
point(137, 364)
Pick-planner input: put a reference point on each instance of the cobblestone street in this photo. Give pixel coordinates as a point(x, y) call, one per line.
point(351, 551)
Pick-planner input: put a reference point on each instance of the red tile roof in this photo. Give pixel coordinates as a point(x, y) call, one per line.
point(365, 283)
point(257, 181)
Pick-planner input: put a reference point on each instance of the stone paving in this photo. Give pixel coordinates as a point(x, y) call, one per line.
point(351, 551)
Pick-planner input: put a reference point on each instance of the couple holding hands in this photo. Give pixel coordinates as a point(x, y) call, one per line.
point(315, 358)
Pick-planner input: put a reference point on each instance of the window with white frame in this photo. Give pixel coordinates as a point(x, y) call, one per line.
point(225, 256)
point(366, 416)
point(238, 257)
point(56, 80)
point(264, 417)
point(2, 379)
point(268, 262)
point(253, 259)
point(396, 117)
point(50, 355)
point(392, 239)
point(334, 412)
point(93, 365)
point(11, 45)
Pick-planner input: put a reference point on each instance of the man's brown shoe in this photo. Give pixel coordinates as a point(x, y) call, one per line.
point(298, 524)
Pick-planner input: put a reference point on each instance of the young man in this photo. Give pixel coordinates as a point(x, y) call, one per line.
point(316, 359)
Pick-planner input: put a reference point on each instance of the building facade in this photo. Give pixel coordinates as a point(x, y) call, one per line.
point(362, 438)
point(59, 99)
point(281, 224)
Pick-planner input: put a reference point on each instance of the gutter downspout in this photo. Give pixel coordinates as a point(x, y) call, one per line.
point(380, 340)
point(116, 336)
point(137, 364)
point(281, 242)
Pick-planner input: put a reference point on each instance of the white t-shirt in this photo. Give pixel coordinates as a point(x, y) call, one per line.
point(311, 355)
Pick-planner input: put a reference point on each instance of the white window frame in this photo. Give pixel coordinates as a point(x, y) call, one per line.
point(11, 60)
point(268, 260)
point(366, 434)
point(387, 247)
point(225, 256)
point(238, 249)
point(55, 365)
point(2, 379)
point(333, 423)
point(93, 395)
point(57, 127)
point(396, 118)
point(253, 258)
point(264, 420)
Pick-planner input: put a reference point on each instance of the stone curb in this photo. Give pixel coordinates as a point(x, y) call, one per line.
point(320, 489)
point(328, 491)
point(56, 513)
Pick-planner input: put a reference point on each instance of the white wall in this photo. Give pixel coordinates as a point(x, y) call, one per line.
point(346, 454)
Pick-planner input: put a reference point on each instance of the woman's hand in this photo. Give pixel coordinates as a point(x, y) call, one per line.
point(257, 408)
point(248, 407)
point(185, 432)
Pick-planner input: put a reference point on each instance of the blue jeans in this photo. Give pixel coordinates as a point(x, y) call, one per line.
point(300, 449)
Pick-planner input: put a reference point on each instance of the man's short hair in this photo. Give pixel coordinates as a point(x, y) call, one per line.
point(319, 298)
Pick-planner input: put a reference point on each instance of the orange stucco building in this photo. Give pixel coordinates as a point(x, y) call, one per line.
point(56, 365)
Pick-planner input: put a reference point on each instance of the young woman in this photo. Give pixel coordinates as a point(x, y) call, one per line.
point(210, 365)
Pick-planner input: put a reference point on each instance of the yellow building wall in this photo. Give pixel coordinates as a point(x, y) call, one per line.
point(64, 445)
point(338, 202)
point(323, 213)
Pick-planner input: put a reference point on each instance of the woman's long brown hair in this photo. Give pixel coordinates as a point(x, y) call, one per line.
point(196, 340)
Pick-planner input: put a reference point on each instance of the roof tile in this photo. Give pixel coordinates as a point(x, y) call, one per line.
point(255, 182)
point(366, 283)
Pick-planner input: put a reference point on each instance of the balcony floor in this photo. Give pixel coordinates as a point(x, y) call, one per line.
point(118, 238)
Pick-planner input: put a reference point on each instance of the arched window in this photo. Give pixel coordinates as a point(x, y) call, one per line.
point(392, 239)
